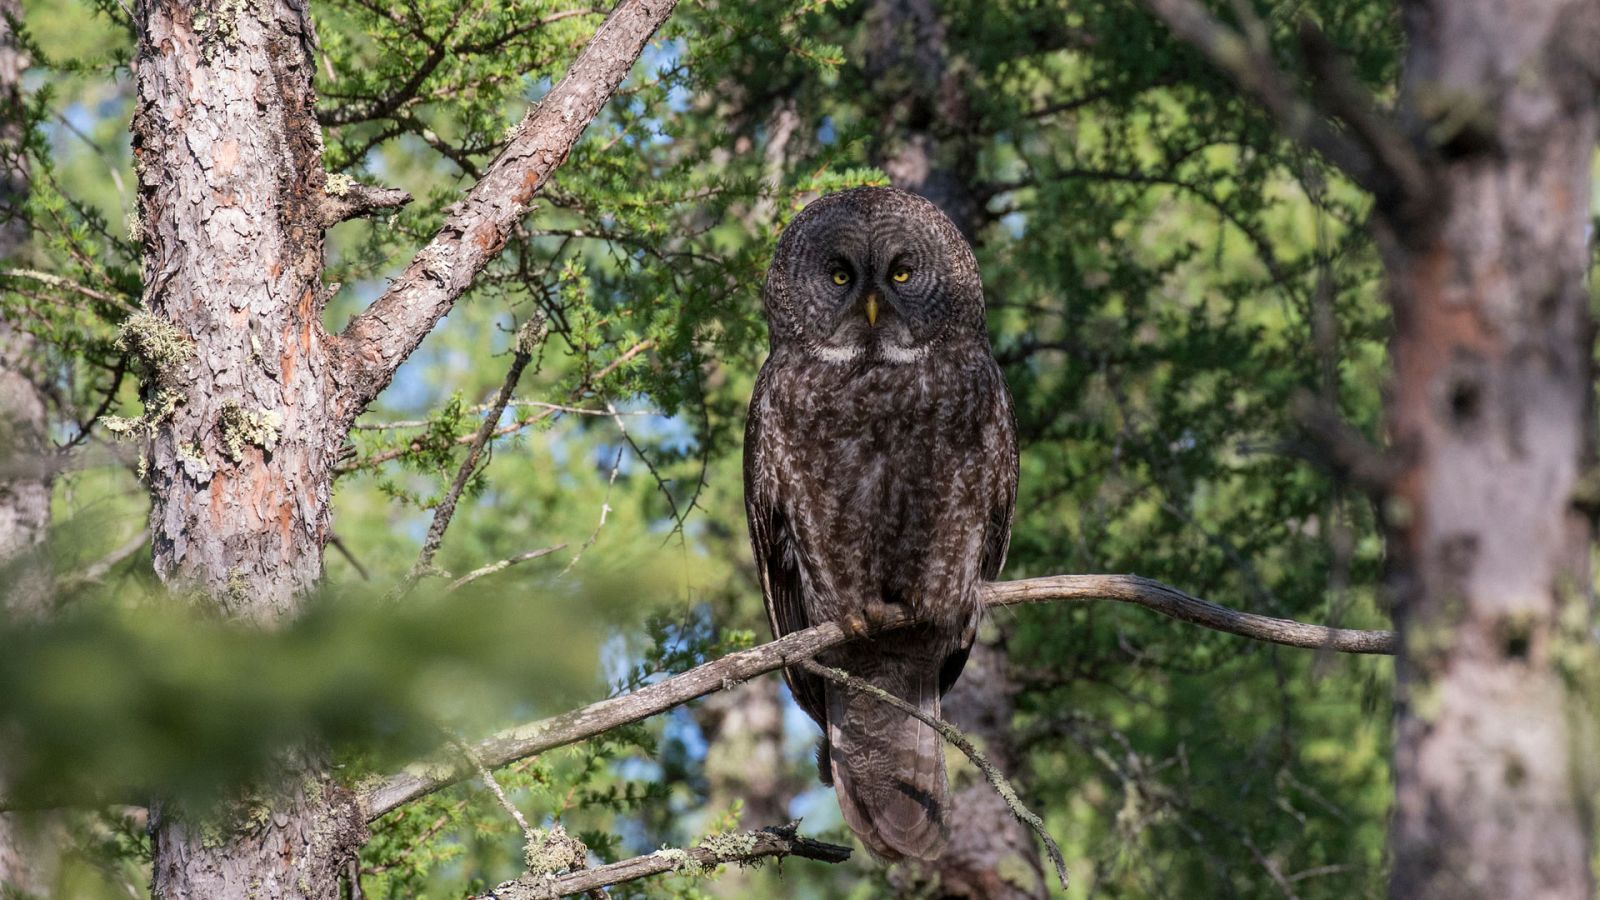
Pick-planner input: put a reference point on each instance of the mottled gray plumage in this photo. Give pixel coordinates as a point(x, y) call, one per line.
point(880, 468)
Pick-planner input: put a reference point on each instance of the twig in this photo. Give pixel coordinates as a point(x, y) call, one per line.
point(495, 788)
point(605, 505)
point(426, 776)
point(514, 404)
point(355, 200)
point(583, 386)
point(743, 848)
point(99, 568)
point(66, 284)
point(339, 544)
point(528, 339)
point(997, 779)
point(503, 564)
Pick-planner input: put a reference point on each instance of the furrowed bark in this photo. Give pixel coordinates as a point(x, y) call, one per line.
point(247, 398)
point(1492, 404)
point(237, 384)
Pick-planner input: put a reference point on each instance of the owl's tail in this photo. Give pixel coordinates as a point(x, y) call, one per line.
point(887, 767)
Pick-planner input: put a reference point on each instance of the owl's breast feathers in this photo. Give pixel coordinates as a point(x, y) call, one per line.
point(892, 482)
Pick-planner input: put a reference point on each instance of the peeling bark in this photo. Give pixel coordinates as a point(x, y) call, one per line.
point(1492, 409)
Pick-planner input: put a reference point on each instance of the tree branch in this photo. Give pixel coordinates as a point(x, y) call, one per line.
point(349, 199)
point(529, 337)
point(375, 342)
point(743, 848)
point(426, 776)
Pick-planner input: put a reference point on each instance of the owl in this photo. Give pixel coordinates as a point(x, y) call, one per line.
point(880, 477)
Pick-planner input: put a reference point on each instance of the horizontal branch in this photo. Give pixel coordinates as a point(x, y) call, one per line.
point(426, 776)
point(375, 342)
point(743, 848)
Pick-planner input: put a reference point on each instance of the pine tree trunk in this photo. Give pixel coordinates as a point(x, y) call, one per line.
point(1492, 412)
point(228, 155)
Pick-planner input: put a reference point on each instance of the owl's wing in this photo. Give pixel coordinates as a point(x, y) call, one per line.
point(1000, 442)
point(777, 557)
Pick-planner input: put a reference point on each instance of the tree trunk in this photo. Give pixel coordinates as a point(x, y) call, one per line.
point(247, 399)
point(1491, 411)
point(237, 386)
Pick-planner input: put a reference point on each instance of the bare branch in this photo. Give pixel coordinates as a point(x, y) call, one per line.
point(996, 778)
point(103, 566)
point(529, 336)
point(502, 565)
point(354, 200)
point(426, 776)
point(743, 848)
point(379, 339)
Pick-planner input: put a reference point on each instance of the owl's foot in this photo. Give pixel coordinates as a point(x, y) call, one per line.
point(875, 616)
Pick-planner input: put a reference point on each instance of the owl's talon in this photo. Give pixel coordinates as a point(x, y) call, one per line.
point(880, 615)
point(854, 626)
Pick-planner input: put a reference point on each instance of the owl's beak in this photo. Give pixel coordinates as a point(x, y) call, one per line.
point(872, 309)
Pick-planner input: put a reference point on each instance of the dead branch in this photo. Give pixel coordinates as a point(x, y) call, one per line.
point(375, 342)
point(426, 776)
point(508, 562)
point(529, 337)
point(354, 200)
point(992, 773)
point(744, 848)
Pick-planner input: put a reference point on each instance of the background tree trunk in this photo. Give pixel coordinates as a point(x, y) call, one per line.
point(1492, 413)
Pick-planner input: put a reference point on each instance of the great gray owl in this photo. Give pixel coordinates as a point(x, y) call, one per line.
point(880, 472)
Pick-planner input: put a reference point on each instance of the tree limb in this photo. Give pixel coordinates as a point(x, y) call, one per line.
point(375, 342)
point(426, 776)
point(352, 199)
point(743, 848)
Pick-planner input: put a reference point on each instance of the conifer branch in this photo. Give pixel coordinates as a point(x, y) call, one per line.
point(426, 776)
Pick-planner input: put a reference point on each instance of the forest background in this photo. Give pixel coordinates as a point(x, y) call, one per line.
point(1181, 298)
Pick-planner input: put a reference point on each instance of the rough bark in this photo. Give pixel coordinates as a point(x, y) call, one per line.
point(247, 398)
point(1492, 409)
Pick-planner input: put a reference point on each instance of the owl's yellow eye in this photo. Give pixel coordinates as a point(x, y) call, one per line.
point(841, 277)
point(901, 276)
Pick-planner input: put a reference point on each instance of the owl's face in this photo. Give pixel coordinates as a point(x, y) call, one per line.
point(872, 275)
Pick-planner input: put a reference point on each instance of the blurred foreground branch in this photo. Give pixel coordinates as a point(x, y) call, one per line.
point(426, 776)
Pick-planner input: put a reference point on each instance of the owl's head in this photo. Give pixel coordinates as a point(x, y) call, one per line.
point(872, 275)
